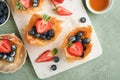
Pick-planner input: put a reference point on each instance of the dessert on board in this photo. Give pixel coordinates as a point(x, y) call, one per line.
point(77, 44)
point(28, 6)
point(42, 29)
point(12, 52)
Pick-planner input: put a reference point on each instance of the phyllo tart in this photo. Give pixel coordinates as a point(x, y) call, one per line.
point(28, 6)
point(12, 53)
point(77, 44)
point(42, 29)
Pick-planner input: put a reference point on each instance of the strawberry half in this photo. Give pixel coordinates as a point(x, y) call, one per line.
point(62, 11)
point(5, 46)
point(43, 24)
point(76, 49)
point(59, 1)
point(25, 3)
point(56, 2)
point(46, 56)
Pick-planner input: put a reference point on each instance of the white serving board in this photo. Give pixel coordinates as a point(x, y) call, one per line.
point(43, 69)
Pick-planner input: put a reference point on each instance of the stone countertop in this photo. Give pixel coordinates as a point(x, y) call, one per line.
point(105, 67)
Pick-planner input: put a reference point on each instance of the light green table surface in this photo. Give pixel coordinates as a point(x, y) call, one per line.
point(105, 67)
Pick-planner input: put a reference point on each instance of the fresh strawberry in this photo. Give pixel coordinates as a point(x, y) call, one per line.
point(62, 11)
point(43, 24)
point(56, 2)
point(76, 49)
point(47, 55)
point(59, 1)
point(23, 4)
point(5, 46)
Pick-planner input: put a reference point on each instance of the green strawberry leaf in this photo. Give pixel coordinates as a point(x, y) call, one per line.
point(46, 17)
point(54, 51)
point(70, 43)
point(19, 6)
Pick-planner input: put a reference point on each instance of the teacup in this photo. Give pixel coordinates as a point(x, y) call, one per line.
point(105, 9)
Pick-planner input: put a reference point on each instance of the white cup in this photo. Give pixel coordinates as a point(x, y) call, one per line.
point(99, 12)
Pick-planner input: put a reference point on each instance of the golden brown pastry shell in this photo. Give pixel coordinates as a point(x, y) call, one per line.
point(30, 10)
point(87, 31)
point(38, 42)
point(19, 59)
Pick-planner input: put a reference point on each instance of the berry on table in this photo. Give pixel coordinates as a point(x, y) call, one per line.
point(83, 19)
point(53, 67)
point(56, 59)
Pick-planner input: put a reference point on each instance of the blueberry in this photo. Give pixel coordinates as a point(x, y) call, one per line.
point(12, 54)
point(79, 34)
point(51, 33)
point(35, 1)
point(5, 16)
point(53, 67)
point(35, 4)
point(83, 19)
point(4, 56)
point(13, 47)
point(34, 28)
point(32, 31)
point(43, 37)
point(2, 5)
point(1, 14)
point(79, 39)
point(48, 38)
point(37, 35)
point(72, 38)
point(1, 55)
point(45, 33)
point(10, 59)
point(86, 40)
point(5, 11)
point(2, 19)
point(56, 59)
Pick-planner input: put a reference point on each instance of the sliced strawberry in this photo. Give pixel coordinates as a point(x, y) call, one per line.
point(76, 49)
point(56, 2)
point(62, 11)
point(43, 25)
point(46, 56)
point(59, 1)
point(25, 3)
point(5, 46)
